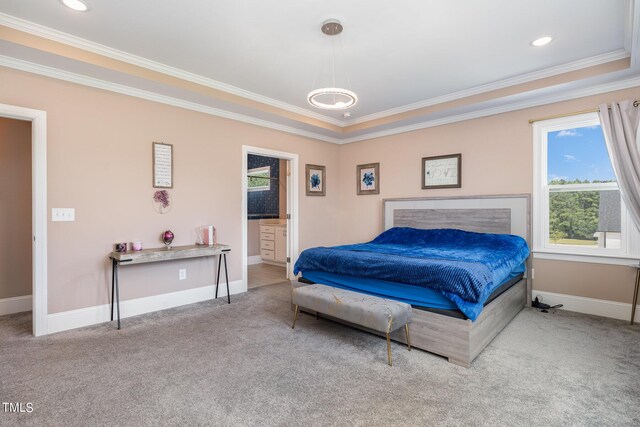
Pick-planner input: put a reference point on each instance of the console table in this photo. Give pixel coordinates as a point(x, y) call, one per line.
point(164, 254)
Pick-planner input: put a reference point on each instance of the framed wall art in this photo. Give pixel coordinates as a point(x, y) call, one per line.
point(315, 184)
point(442, 171)
point(368, 178)
point(162, 165)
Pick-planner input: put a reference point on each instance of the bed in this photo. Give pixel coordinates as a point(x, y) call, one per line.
point(451, 327)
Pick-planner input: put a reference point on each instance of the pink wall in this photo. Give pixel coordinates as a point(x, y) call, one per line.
point(497, 158)
point(15, 208)
point(99, 162)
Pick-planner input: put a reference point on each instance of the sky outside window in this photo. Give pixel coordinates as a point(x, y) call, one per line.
point(578, 153)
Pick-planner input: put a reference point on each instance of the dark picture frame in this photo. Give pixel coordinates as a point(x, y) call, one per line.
point(315, 178)
point(442, 171)
point(368, 179)
point(162, 165)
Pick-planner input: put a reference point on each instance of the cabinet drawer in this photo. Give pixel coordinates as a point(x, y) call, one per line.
point(267, 229)
point(267, 244)
point(267, 236)
point(267, 254)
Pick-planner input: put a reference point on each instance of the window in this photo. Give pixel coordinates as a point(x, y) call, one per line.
point(578, 209)
point(259, 179)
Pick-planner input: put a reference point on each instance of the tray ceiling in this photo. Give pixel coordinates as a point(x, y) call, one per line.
point(411, 63)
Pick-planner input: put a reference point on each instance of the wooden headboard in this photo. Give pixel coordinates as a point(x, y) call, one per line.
point(508, 214)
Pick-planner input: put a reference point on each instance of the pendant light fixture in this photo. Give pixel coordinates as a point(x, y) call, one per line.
point(332, 98)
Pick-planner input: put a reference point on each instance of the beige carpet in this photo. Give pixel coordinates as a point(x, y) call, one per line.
point(242, 364)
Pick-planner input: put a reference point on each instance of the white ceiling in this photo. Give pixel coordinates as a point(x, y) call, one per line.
point(396, 54)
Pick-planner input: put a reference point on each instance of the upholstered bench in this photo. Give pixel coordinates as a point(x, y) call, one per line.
point(375, 313)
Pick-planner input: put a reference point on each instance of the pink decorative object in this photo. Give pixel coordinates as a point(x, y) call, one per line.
point(167, 238)
point(209, 236)
point(136, 246)
point(162, 197)
point(162, 201)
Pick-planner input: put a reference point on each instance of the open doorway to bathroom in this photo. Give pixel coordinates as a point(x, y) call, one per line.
point(267, 243)
point(290, 217)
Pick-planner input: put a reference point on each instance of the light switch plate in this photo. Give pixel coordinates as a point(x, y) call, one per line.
point(63, 214)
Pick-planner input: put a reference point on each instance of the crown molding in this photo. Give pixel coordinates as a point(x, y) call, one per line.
point(163, 99)
point(551, 99)
point(80, 43)
point(513, 81)
point(68, 39)
point(68, 76)
point(632, 31)
point(628, 26)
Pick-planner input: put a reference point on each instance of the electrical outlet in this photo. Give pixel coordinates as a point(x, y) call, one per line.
point(182, 273)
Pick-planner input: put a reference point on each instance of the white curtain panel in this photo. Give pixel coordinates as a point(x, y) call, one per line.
point(620, 127)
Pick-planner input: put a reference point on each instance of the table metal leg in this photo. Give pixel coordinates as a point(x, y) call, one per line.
point(113, 284)
point(218, 278)
point(634, 302)
point(117, 293)
point(226, 276)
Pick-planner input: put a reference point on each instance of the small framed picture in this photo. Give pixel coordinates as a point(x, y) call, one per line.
point(162, 165)
point(315, 180)
point(368, 177)
point(442, 171)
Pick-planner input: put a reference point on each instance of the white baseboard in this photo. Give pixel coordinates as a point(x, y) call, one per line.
point(254, 259)
point(15, 305)
point(73, 319)
point(597, 307)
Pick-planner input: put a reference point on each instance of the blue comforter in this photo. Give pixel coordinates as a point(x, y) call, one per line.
point(465, 266)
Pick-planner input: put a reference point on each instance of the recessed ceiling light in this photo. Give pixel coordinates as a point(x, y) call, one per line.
point(78, 5)
point(542, 41)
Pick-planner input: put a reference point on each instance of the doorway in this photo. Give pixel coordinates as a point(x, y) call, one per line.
point(15, 221)
point(269, 207)
point(38, 230)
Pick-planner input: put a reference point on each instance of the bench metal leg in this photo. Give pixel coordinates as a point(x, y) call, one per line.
point(406, 331)
point(295, 316)
point(389, 349)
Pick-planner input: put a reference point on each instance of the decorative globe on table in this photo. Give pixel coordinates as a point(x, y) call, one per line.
point(167, 238)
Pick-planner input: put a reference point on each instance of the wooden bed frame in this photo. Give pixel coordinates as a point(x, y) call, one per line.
point(457, 339)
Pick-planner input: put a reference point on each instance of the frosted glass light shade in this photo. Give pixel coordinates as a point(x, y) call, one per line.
point(332, 98)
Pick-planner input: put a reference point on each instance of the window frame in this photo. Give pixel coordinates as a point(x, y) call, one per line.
point(256, 171)
point(542, 247)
